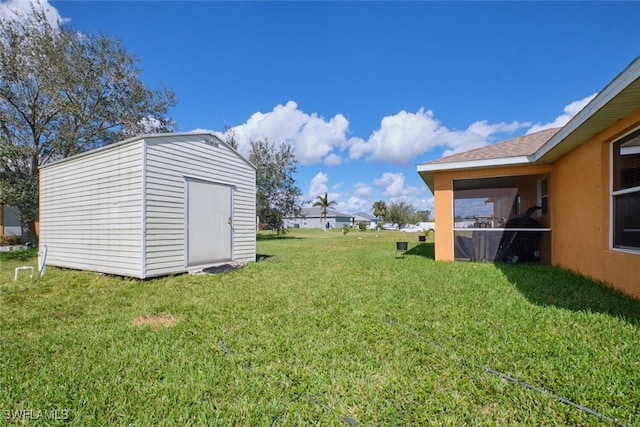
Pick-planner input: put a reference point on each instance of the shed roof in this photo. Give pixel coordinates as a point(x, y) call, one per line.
point(206, 137)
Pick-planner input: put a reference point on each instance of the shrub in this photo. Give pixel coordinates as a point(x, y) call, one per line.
point(10, 240)
point(19, 255)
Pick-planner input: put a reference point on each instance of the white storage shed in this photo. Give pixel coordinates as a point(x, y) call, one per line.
point(149, 206)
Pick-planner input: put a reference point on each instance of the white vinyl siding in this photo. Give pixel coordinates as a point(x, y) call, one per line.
point(121, 209)
point(90, 211)
point(168, 164)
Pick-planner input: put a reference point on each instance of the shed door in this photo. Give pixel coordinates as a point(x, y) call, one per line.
point(208, 228)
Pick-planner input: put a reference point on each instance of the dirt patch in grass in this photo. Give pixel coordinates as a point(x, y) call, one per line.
point(155, 322)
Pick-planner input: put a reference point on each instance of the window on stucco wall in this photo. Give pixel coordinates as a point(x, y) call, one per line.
point(543, 196)
point(626, 192)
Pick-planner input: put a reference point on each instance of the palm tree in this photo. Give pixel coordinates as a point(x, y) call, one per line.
point(323, 202)
point(379, 209)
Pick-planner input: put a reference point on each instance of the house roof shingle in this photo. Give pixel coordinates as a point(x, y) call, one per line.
point(525, 145)
point(314, 212)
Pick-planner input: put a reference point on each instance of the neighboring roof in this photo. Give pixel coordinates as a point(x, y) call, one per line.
point(617, 100)
point(207, 137)
point(314, 212)
point(364, 215)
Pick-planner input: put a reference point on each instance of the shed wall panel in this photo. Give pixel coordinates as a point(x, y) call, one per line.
point(168, 164)
point(90, 211)
point(121, 209)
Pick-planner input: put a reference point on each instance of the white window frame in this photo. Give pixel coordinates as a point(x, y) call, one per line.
point(613, 193)
point(541, 196)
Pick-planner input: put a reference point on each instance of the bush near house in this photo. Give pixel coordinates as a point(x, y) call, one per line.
point(10, 240)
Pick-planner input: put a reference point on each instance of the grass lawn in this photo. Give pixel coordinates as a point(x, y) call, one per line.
point(328, 329)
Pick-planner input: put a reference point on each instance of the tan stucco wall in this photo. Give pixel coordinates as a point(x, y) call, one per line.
point(443, 189)
point(580, 213)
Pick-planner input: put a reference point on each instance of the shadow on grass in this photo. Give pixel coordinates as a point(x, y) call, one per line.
point(274, 236)
point(553, 286)
point(426, 250)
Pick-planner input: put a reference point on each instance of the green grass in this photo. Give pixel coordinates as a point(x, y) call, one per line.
point(327, 329)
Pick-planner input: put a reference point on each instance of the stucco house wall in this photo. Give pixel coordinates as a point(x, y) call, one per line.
point(581, 212)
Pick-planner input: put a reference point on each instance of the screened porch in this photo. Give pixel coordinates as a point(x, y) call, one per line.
point(504, 219)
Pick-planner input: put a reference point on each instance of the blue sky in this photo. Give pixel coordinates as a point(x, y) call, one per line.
point(365, 91)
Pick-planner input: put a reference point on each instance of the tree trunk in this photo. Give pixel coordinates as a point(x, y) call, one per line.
point(29, 231)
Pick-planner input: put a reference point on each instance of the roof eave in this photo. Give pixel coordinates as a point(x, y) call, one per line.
point(428, 170)
point(474, 164)
point(595, 114)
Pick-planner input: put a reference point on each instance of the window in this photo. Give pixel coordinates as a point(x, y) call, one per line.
point(543, 196)
point(626, 192)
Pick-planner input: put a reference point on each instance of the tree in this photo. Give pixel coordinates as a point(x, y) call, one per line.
point(423, 216)
point(379, 209)
point(62, 93)
point(324, 203)
point(277, 195)
point(230, 137)
point(401, 213)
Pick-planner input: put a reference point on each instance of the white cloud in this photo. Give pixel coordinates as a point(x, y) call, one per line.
point(12, 9)
point(318, 185)
point(312, 137)
point(354, 204)
point(394, 186)
point(201, 130)
point(404, 136)
point(332, 160)
point(400, 138)
point(361, 189)
point(569, 111)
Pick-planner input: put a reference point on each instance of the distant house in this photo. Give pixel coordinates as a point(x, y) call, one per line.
point(579, 185)
point(310, 218)
point(368, 219)
point(10, 224)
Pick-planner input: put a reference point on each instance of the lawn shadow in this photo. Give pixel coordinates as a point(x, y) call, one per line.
point(553, 286)
point(426, 250)
point(274, 236)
